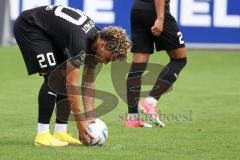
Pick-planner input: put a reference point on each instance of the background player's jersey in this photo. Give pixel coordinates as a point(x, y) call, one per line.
point(149, 5)
point(67, 28)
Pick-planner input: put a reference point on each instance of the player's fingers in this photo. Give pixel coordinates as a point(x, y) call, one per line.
point(153, 29)
point(93, 120)
point(158, 33)
point(87, 139)
point(81, 137)
point(155, 33)
point(84, 139)
point(89, 135)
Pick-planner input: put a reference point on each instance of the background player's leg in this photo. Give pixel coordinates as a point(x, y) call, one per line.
point(46, 102)
point(165, 80)
point(139, 65)
point(170, 73)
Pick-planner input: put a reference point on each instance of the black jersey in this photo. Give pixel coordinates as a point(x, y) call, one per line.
point(149, 5)
point(49, 35)
point(66, 27)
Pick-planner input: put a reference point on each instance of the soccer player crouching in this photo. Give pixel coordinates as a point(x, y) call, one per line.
point(54, 42)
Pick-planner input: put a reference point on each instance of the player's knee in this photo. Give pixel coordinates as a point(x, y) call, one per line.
point(178, 53)
point(137, 70)
point(173, 69)
point(181, 62)
point(140, 57)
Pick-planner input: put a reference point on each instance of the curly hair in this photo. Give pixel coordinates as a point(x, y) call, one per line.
point(117, 41)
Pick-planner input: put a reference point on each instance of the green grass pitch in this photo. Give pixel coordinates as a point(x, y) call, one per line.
point(209, 87)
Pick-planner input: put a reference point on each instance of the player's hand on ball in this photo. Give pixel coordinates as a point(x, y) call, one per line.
point(84, 135)
point(157, 28)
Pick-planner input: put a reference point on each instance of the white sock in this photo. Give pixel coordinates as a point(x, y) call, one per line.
point(133, 116)
point(42, 128)
point(60, 127)
point(152, 101)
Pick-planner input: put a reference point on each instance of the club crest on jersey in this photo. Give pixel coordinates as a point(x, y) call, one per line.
point(79, 59)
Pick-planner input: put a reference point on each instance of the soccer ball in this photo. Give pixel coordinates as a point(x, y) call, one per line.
point(99, 132)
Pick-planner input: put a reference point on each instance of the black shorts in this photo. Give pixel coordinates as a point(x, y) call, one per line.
point(142, 37)
point(38, 52)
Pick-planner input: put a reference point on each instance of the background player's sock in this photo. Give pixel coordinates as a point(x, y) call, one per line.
point(133, 116)
point(167, 77)
point(60, 127)
point(134, 86)
point(152, 101)
point(42, 128)
point(46, 102)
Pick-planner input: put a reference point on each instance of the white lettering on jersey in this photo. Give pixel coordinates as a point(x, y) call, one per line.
point(80, 21)
point(88, 26)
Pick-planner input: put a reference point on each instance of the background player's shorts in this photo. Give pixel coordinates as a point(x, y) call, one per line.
point(37, 50)
point(144, 40)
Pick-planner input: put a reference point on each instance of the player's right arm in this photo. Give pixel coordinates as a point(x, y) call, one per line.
point(157, 28)
point(74, 100)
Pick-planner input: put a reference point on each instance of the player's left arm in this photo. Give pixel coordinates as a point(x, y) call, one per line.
point(157, 28)
point(88, 92)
